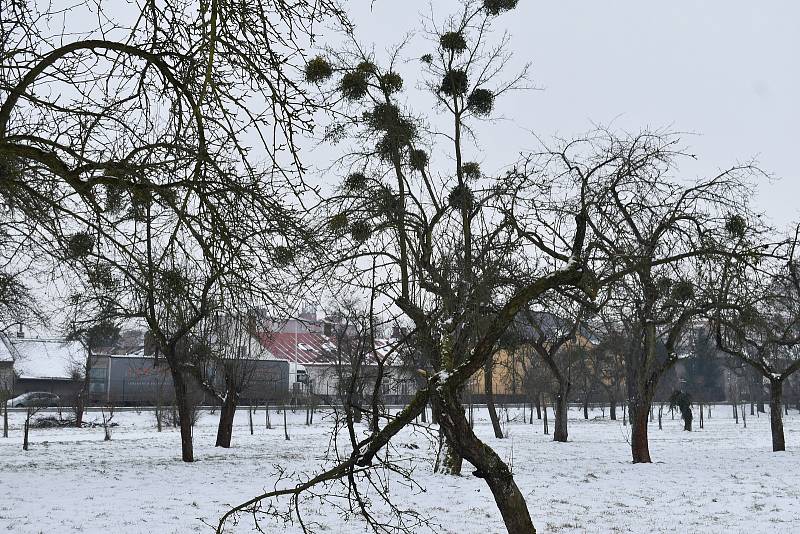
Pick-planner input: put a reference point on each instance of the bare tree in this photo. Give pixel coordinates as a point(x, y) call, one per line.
point(91, 337)
point(554, 335)
point(231, 360)
point(758, 320)
point(660, 231)
point(457, 253)
point(130, 148)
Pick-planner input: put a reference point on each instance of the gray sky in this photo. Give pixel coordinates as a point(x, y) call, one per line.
point(724, 70)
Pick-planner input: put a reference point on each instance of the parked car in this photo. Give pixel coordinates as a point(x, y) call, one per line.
point(41, 399)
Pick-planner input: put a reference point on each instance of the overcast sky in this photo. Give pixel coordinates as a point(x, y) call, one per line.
point(725, 70)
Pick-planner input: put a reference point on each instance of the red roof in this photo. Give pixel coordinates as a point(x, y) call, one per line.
point(302, 347)
point(308, 348)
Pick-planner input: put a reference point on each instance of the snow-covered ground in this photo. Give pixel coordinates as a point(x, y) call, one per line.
point(723, 478)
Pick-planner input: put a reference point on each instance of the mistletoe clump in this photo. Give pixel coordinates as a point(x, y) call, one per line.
point(398, 131)
point(453, 42)
point(318, 70)
point(9, 169)
point(356, 181)
point(283, 255)
point(391, 82)
point(114, 198)
point(426, 58)
point(682, 291)
point(367, 67)
point(360, 231)
point(418, 159)
point(495, 7)
point(354, 85)
point(454, 83)
point(481, 101)
point(383, 117)
point(338, 222)
point(168, 196)
point(736, 226)
point(173, 282)
point(141, 200)
point(461, 197)
point(664, 284)
point(79, 245)
point(389, 203)
point(471, 170)
point(102, 276)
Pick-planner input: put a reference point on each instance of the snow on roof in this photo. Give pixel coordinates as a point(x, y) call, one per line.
point(42, 357)
point(5, 351)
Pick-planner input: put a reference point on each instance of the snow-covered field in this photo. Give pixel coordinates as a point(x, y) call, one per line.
point(723, 478)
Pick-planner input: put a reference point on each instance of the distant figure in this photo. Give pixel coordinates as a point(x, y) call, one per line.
point(682, 401)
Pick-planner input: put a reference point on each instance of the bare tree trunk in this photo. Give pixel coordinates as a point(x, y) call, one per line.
point(660, 413)
point(561, 411)
point(83, 393)
point(25, 435)
point(488, 388)
point(226, 415)
point(5, 418)
point(285, 427)
point(544, 409)
point(159, 410)
point(250, 410)
point(184, 403)
point(267, 422)
point(488, 466)
point(701, 415)
point(775, 418)
point(612, 408)
point(744, 416)
point(538, 400)
point(639, 416)
point(452, 461)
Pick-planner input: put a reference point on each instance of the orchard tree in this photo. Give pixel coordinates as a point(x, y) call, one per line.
point(758, 320)
point(228, 357)
point(458, 250)
point(555, 335)
point(130, 147)
point(660, 232)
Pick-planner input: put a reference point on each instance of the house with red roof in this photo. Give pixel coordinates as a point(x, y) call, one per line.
point(317, 360)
